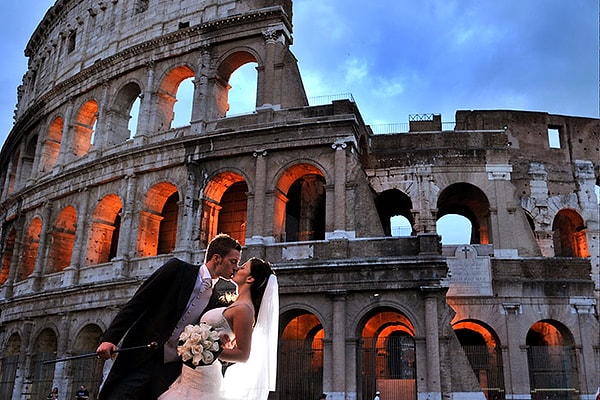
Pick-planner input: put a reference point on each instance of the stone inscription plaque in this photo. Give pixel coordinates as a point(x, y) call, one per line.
point(471, 275)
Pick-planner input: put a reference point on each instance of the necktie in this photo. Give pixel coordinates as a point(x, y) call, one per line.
point(206, 284)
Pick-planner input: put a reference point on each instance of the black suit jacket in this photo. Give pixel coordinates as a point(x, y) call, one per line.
point(152, 313)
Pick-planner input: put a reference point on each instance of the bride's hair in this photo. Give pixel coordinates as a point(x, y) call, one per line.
point(260, 270)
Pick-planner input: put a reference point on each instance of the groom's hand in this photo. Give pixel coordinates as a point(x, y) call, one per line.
point(106, 350)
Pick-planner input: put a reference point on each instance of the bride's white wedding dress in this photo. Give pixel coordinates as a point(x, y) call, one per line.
point(203, 382)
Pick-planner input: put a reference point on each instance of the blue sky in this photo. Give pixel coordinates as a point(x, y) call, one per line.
point(401, 57)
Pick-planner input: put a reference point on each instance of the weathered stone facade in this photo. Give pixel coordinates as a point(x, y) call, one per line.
point(89, 209)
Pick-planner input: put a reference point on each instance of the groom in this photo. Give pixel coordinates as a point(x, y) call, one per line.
point(175, 295)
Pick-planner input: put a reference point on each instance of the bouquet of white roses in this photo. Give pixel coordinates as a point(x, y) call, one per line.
point(199, 345)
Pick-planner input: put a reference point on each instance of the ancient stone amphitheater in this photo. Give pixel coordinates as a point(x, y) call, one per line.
point(91, 204)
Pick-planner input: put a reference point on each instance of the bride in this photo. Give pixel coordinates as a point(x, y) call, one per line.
point(255, 350)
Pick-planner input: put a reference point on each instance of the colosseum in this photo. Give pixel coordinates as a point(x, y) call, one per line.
point(90, 205)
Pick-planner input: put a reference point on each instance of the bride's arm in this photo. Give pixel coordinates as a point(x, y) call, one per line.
point(241, 320)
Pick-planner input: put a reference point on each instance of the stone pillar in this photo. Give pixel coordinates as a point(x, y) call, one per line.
point(145, 112)
point(200, 110)
point(339, 194)
point(186, 233)
point(65, 142)
point(127, 233)
point(71, 273)
point(516, 373)
point(423, 212)
point(22, 382)
point(40, 260)
point(434, 388)
point(257, 227)
point(589, 340)
point(338, 347)
point(60, 369)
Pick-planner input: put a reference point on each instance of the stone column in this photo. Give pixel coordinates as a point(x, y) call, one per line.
point(145, 112)
point(200, 109)
point(40, 261)
point(67, 132)
point(127, 232)
point(434, 388)
point(22, 382)
point(338, 347)
point(516, 373)
point(339, 193)
point(71, 273)
point(256, 235)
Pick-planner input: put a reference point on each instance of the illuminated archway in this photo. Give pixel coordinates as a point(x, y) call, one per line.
point(120, 114)
point(388, 356)
point(157, 232)
point(84, 128)
point(483, 350)
point(51, 146)
point(224, 73)
point(470, 202)
point(300, 358)
point(104, 231)
point(31, 243)
point(168, 95)
point(300, 204)
point(224, 207)
point(7, 254)
point(62, 240)
point(552, 361)
point(569, 235)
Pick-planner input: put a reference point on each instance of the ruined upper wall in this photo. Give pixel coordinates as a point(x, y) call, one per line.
point(76, 34)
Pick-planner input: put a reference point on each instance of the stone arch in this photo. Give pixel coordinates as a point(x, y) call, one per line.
point(104, 230)
point(392, 203)
point(119, 114)
point(470, 202)
point(167, 95)
point(300, 203)
point(484, 352)
point(62, 240)
point(9, 364)
point(552, 360)
point(300, 359)
point(29, 253)
point(86, 371)
point(569, 234)
point(84, 126)
point(26, 161)
point(388, 354)
point(226, 67)
point(157, 232)
point(7, 254)
point(51, 145)
point(224, 207)
point(44, 348)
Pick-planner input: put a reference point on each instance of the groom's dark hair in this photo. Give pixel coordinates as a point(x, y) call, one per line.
point(222, 244)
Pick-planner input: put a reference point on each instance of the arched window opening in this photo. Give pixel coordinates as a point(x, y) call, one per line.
point(9, 363)
point(51, 146)
point(552, 362)
point(224, 207)
point(471, 203)
point(104, 231)
point(224, 83)
point(27, 160)
point(86, 371)
point(31, 244)
point(305, 209)
point(161, 204)
point(242, 94)
point(123, 115)
point(167, 238)
point(84, 128)
point(485, 356)
point(7, 254)
point(12, 172)
point(454, 229)
point(182, 110)
point(233, 214)
point(169, 94)
point(300, 358)
point(569, 235)
point(388, 356)
point(42, 375)
point(62, 240)
point(394, 209)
